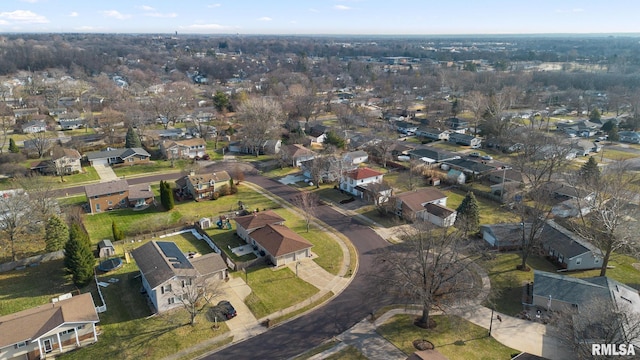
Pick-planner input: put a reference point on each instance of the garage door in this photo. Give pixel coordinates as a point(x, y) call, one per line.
point(104, 162)
point(288, 258)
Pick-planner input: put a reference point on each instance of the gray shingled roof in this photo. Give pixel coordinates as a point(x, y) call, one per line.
point(159, 261)
point(110, 187)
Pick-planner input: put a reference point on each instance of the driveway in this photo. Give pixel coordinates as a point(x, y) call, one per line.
point(105, 172)
point(244, 325)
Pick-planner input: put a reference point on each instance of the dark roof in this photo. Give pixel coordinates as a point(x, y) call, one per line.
point(159, 261)
point(117, 153)
point(110, 187)
point(209, 263)
point(433, 153)
point(460, 136)
point(32, 323)
point(473, 166)
point(258, 219)
point(507, 234)
point(414, 200)
point(60, 152)
point(565, 242)
point(439, 210)
point(105, 243)
point(279, 240)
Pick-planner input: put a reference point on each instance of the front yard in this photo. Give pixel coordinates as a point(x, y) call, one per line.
point(454, 337)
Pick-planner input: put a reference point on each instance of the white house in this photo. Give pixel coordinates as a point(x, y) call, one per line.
point(183, 149)
point(34, 126)
point(365, 182)
point(355, 157)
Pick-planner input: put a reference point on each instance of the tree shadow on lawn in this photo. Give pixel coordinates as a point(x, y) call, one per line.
point(48, 278)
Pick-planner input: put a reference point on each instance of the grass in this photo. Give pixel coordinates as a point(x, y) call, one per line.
point(614, 154)
point(189, 243)
point(126, 321)
point(33, 286)
point(455, 338)
point(490, 211)
point(154, 166)
point(275, 289)
point(348, 353)
point(89, 174)
point(138, 222)
point(317, 350)
point(227, 240)
point(387, 221)
point(312, 305)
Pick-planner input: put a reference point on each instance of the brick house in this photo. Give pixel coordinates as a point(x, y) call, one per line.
point(202, 186)
point(117, 194)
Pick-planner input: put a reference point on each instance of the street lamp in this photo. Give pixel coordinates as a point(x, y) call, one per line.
point(297, 264)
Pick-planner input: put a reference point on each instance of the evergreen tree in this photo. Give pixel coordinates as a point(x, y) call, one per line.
point(13, 147)
point(56, 234)
point(468, 217)
point(613, 134)
point(79, 259)
point(132, 139)
point(334, 139)
point(589, 172)
point(607, 126)
point(595, 115)
point(118, 234)
point(169, 194)
point(163, 194)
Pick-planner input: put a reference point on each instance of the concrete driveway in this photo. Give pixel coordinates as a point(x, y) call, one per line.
point(105, 172)
point(244, 325)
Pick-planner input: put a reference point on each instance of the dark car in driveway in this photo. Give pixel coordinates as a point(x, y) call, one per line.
point(224, 310)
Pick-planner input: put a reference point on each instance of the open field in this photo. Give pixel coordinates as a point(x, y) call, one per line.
point(454, 337)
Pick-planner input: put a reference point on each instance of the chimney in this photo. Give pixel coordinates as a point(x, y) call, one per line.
point(192, 172)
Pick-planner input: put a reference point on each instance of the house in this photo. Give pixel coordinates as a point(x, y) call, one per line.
point(50, 329)
point(469, 166)
point(106, 249)
point(116, 194)
point(456, 176)
point(457, 124)
point(124, 156)
point(570, 295)
point(355, 157)
point(34, 126)
point(561, 246)
point(166, 272)
point(629, 137)
point(464, 139)
point(66, 161)
point(406, 128)
point(359, 182)
point(202, 186)
point(572, 201)
point(433, 134)
point(425, 204)
point(245, 225)
point(280, 244)
point(318, 133)
point(183, 149)
point(431, 154)
point(296, 154)
point(71, 121)
point(25, 113)
point(267, 147)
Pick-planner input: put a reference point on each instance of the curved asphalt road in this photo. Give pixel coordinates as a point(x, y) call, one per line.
point(335, 317)
point(341, 313)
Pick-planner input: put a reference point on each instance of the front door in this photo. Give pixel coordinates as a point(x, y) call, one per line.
point(48, 345)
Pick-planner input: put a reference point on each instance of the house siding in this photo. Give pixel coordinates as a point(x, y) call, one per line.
point(102, 203)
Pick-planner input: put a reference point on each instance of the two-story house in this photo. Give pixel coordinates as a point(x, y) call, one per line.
point(66, 161)
point(426, 205)
point(202, 186)
point(117, 194)
point(183, 149)
point(365, 183)
point(167, 273)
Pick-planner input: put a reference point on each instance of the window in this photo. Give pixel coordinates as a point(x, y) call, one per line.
point(110, 202)
point(578, 261)
point(97, 207)
point(186, 282)
point(171, 301)
point(597, 260)
point(21, 344)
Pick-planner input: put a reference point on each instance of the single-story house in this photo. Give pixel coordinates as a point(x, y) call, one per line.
point(457, 124)
point(406, 128)
point(317, 133)
point(116, 194)
point(504, 236)
point(166, 271)
point(469, 166)
point(426, 204)
point(247, 224)
point(202, 186)
point(50, 329)
point(34, 126)
point(355, 157)
point(267, 147)
point(71, 124)
point(106, 248)
point(25, 112)
point(632, 137)
point(183, 149)
point(280, 244)
point(570, 295)
point(437, 155)
point(110, 156)
point(433, 133)
point(464, 139)
point(296, 154)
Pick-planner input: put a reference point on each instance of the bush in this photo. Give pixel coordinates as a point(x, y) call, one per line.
point(215, 195)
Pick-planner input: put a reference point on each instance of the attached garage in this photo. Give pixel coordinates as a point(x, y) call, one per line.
point(281, 244)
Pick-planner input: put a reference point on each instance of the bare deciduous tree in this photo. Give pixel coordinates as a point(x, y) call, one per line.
point(41, 142)
point(307, 202)
point(195, 294)
point(260, 117)
point(429, 268)
point(15, 218)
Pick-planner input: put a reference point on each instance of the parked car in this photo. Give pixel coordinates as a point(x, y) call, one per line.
point(224, 310)
point(486, 157)
point(474, 154)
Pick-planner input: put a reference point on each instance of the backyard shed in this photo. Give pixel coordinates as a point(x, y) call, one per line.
point(105, 248)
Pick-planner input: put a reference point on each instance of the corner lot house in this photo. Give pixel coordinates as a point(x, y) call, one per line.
point(117, 194)
point(202, 186)
point(280, 244)
point(247, 224)
point(183, 149)
point(425, 205)
point(49, 329)
point(166, 272)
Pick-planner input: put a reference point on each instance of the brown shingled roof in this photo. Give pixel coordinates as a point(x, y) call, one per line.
point(414, 199)
point(110, 187)
point(140, 191)
point(32, 323)
point(258, 219)
point(279, 240)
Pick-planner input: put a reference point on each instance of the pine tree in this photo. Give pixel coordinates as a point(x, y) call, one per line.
point(117, 233)
point(79, 259)
point(56, 234)
point(13, 147)
point(589, 172)
point(595, 115)
point(132, 139)
point(169, 195)
point(468, 217)
point(613, 134)
point(163, 194)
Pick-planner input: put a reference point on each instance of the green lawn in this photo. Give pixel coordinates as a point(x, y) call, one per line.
point(33, 286)
point(154, 166)
point(348, 353)
point(388, 220)
point(227, 240)
point(128, 333)
point(274, 290)
point(454, 337)
point(189, 243)
point(490, 211)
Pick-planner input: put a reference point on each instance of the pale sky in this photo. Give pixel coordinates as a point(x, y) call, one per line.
point(399, 17)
